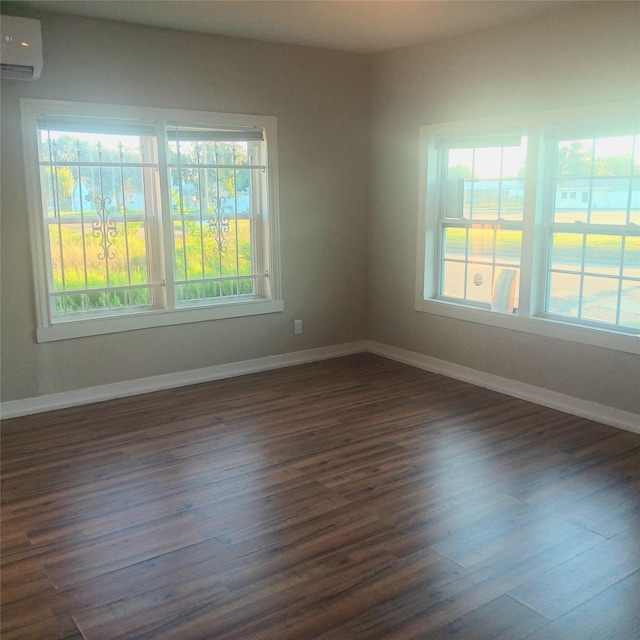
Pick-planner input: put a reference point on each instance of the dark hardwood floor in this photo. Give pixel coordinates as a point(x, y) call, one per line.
point(341, 500)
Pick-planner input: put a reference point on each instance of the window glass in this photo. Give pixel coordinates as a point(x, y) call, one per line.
point(142, 212)
point(215, 187)
point(605, 240)
point(95, 213)
point(481, 213)
point(542, 225)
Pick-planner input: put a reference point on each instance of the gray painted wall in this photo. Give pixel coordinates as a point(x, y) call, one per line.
point(584, 55)
point(321, 100)
point(348, 151)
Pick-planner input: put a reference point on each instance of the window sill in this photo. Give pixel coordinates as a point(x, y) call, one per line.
point(78, 328)
point(596, 337)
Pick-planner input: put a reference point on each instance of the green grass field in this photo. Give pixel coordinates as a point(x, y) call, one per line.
point(566, 246)
point(198, 258)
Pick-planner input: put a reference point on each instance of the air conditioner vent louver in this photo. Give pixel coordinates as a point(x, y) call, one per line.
point(17, 72)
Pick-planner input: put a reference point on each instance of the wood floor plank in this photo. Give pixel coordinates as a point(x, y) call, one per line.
point(448, 597)
point(501, 619)
point(348, 499)
point(128, 546)
point(610, 615)
point(572, 583)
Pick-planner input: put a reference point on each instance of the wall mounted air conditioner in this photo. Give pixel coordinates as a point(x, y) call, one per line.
point(21, 55)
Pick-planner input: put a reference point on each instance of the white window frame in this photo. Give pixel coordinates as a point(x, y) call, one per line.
point(267, 300)
point(529, 316)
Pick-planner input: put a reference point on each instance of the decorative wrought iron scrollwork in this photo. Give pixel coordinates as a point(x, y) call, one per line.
point(219, 225)
point(103, 228)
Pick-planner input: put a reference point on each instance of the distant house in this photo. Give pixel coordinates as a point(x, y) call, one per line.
point(81, 195)
point(607, 193)
point(84, 192)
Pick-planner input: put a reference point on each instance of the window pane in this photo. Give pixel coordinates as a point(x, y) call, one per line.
point(567, 209)
point(574, 180)
point(481, 264)
point(508, 246)
point(612, 156)
point(566, 251)
point(630, 304)
point(460, 164)
point(634, 213)
point(454, 243)
point(602, 254)
point(242, 192)
point(483, 186)
point(486, 199)
point(594, 181)
point(453, 267)
point(484, 183)
point(631, 264)
point(78, 250)
point(185, 191)
point(237, 153)
point(95, 214)
point(488, 162)
point(56, 248)
point(575, 158)
point(480, 283)
point(65, 146)
point(506, 287)
point(610, 200)
point(453, 279)
point(599, 299)
point(564, 294)
point(594, 187)
point(214, 203)
point(481, 244)
point(597, 292)
point(512, 199)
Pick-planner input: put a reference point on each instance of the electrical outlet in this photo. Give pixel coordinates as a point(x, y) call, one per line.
point(297, 326)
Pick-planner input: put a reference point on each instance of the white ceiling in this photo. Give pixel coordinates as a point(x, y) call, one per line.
point(365, 26)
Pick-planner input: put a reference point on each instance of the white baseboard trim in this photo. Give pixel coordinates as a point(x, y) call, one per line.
point(575, 406)
point(16, 408)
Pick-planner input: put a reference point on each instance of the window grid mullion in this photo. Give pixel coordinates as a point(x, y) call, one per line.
point(550, 177)
point(533, 228)
point(495, 226)
point(125, 221)
point(182, 220)
point(82, 223)
point(493, 256)
point(591, 175)
point(631, 171)
point(55, 192)
point(582, 274)
point(440, 243)
point(205, 200)
point(237, 230)
point(466, 262)
point(164, 260)
point(623, 242)
point(465, 223)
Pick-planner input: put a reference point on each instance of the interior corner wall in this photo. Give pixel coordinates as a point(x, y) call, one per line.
point(582, 55)
point(321, 100)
